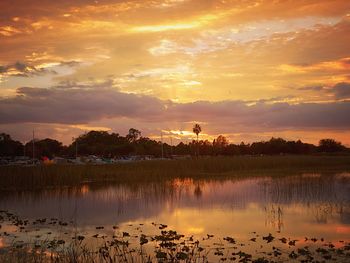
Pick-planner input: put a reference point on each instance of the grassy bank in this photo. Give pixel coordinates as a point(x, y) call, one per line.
point(19, 177)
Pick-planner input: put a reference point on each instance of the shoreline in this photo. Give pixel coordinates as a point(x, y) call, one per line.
point(48, 176)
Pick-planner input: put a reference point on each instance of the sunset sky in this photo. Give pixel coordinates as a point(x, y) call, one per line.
point(247, 69)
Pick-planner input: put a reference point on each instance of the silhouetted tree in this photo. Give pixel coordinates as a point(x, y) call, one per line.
point(330, 145)
point(244, 148)
point(182, 148)
point(205, 147)
point(48, 147)
point(101, 143)
point(219, 144)
point(107, 144)
point(146, 146)
point(9, 147)
point(197, 130)
point(133, 135)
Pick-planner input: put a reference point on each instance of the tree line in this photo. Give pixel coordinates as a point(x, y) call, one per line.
point(104, 144)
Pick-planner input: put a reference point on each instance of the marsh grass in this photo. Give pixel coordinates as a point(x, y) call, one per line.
point(36, 177)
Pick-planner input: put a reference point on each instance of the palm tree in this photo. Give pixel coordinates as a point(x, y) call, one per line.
point(197, 130)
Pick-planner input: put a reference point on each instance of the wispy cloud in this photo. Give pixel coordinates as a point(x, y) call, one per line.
point(20, 69)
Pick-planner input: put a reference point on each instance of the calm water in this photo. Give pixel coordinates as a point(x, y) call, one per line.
point(312, 205)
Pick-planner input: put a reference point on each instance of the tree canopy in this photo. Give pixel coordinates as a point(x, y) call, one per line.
point(8, 146)
point(197, 129)
point(104, 144)
point(330, 145)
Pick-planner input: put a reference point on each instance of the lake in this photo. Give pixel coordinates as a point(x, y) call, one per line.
point(298, 207)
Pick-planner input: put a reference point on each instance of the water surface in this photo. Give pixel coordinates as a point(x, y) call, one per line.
point(298, 206)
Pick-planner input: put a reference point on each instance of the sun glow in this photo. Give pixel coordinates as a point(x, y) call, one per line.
point(160, 28)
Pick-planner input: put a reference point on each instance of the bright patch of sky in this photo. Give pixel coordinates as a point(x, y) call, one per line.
point(54, 71)
point(212, 40)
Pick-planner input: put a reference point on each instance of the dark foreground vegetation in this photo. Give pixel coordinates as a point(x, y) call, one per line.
point(135, 244)
point(42, 176)
point(108, 145)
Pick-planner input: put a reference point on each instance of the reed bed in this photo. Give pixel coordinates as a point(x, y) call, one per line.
point(43, 176)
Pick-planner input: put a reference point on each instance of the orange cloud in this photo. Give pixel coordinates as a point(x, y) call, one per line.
point(9, 31)
point(338, 65)
point(188, 57)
